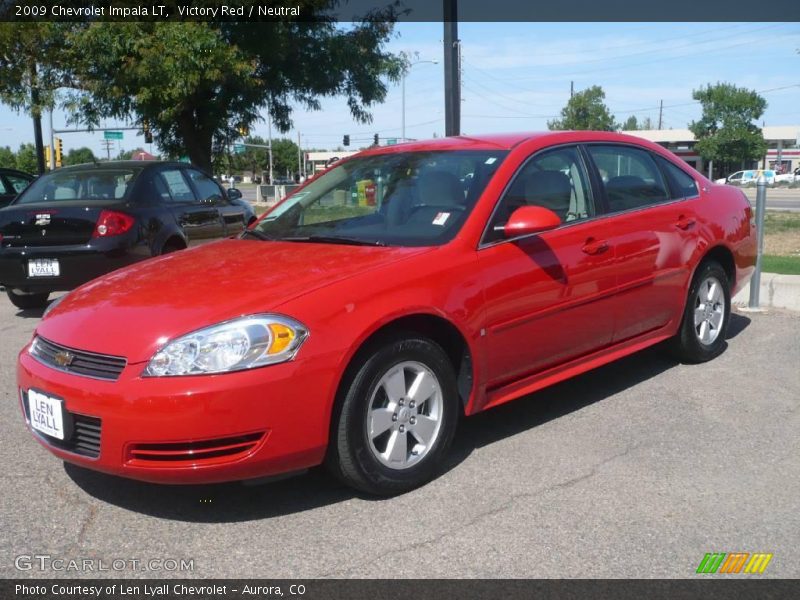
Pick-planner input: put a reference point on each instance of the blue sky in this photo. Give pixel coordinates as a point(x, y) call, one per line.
point(517, 75)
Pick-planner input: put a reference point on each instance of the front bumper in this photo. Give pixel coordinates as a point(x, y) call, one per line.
point(199, 429)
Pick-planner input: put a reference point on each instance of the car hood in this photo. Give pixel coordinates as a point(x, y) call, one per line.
point(131, 312)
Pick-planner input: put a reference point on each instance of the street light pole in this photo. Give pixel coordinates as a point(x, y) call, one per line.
point(403, 103)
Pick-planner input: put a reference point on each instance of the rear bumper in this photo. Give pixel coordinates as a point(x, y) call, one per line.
point(78, 264)
point(182, 430)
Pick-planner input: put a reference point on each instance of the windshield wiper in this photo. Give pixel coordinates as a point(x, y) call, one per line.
point(257, 234)
point(332, 239)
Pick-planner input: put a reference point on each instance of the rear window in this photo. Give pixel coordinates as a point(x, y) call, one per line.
point(106, 184)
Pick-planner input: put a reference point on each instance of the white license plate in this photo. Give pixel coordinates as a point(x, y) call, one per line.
point(43, 267)
point(46, 414)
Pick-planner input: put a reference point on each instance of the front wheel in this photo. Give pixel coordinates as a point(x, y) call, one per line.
point(701, 336)
point(397, 419)
point(27, 301)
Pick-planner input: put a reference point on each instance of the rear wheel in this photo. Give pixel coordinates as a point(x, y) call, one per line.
point(706, 316)
point(397, 418)
point(26, 301)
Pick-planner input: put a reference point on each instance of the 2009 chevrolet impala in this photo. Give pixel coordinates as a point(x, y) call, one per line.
point(357, 320)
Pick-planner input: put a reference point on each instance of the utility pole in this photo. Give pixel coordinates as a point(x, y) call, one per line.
point(299, 158)
point(660, 112)
point(452, 81)
point(52, 164)
point(269, 134)
point(571, 88)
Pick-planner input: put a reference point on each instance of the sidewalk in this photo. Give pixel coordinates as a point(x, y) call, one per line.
point(777, 291)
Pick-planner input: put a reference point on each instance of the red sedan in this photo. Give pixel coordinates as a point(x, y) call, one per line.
point(355, 322)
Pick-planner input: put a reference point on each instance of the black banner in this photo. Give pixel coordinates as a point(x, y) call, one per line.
point(403, 10)
point(400, 589)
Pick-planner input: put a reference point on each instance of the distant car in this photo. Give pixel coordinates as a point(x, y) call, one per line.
point(12, 182)
point(787, 178)
point(356, 322)
point(747, 177)
point(77, 223)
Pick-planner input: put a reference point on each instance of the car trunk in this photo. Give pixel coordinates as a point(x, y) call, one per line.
point(59, 223)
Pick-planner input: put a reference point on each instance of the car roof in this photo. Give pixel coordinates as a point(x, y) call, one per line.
point(507, 141)
point(121, 164)
point(16, 172)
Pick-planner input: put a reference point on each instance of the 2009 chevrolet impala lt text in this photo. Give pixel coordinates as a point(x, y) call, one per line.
point(355, 322)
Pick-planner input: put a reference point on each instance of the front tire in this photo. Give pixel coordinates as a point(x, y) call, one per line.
point(27, 301)
point(701, 336)
point(397, 418)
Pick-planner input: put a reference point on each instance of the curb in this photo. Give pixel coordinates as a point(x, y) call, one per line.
point(777, 291)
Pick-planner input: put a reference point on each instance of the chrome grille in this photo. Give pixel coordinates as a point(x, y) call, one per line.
point(78, 362)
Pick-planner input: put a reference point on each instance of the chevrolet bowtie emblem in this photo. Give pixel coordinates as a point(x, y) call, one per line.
point(42, 219)
point(63, 359)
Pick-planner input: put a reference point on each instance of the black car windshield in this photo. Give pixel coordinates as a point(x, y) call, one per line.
point(398, 199)
point(89, 184)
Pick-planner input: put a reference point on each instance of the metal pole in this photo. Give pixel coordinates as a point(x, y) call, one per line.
point(403, 110)
point(660, 113)
point(299, 158)
point(269, 123)
point(52, 144)
point(452, 83)
point(761, 202)
point(710, 168)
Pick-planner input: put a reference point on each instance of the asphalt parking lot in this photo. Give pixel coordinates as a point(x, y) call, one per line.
point(634, 470)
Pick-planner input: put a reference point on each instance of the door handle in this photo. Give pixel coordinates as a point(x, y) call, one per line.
point(685, 222)
point(593, 246)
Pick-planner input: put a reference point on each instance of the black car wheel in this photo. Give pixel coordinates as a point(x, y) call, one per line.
point(397, 419)
point(26, 301)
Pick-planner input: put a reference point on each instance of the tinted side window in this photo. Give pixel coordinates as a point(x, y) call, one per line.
point(5, 189)
point(178, 187)
point(17, 183)
point(630, 177)
point(686, 185)
point(207, 189)
point(554, 179)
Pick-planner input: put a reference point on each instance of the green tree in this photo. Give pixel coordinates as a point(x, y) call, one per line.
point(647, 124)
point(585, 110)
point(284, 156)
point(31, 69)
point(197, 84)
point(7, 158)
point(630, 124)
point(26, 158)
point(77, 156)
point(726, 133)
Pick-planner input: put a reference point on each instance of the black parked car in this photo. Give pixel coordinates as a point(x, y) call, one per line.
point(12, 182)
point(80, 222)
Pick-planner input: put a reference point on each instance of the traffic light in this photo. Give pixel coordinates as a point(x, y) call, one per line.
point(59, 151)
point(47, 156)
point(375, 139)
point(346, 140)
point(244, 130)
point(148, 135)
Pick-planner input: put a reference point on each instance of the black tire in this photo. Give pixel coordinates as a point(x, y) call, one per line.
point(352, 457)
point(28, 301)
point(687, 346)
point(170, 247)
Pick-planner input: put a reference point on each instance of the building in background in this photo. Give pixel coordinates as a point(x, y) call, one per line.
point(783, 147)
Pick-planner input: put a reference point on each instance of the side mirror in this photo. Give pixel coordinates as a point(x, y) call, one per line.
point(234, 194)
point(530, 219)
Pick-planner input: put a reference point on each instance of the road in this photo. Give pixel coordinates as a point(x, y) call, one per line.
point(777, 198)
point(634, 470)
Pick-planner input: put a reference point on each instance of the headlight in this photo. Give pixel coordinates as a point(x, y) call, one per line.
point(244, 343)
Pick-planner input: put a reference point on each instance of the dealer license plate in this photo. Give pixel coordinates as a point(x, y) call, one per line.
point(46, 414)
point(43, 267)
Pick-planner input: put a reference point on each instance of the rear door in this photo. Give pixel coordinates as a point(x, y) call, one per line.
point(200, 220)
point(210, 192)
point(652, 228)
point(547, 295)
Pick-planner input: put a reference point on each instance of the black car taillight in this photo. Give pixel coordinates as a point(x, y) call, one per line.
point(111, 222)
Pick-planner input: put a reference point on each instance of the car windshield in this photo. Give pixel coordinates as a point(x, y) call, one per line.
point(91, 184)
point(398, 199)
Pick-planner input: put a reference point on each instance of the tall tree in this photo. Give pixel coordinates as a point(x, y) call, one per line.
point(585, 110)
point(77, 156)
point(726, 132)
point(26, 158)
point(31, 71)
point(7, 158)
point(197, 84)
point(630, 124)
